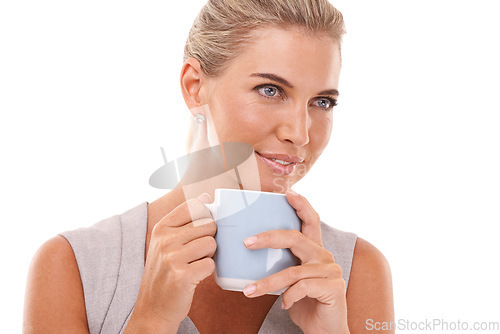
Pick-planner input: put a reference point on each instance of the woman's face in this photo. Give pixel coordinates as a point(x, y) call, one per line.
point(278, 96)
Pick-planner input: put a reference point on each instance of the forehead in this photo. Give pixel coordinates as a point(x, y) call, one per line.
point(300, 57)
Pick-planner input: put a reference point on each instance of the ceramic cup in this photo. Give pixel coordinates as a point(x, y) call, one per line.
point(239, 214)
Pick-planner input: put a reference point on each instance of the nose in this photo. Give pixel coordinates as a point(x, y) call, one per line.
point(294, 125)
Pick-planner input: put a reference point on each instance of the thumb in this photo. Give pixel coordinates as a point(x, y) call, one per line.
point(205, 198)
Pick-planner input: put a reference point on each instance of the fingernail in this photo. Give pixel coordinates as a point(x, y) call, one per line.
point(282, 305)
point(292, 191)
point(250, 240)
point(205, 198)
point(249, 290)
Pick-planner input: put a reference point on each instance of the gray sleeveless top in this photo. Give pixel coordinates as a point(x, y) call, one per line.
point(110, 257)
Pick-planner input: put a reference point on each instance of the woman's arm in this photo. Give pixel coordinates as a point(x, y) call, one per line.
point(370, 303)
point(54, 301)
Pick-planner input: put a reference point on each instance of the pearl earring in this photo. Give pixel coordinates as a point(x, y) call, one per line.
point(200, 118)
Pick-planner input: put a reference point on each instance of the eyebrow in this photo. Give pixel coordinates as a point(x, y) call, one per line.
point(283, 81)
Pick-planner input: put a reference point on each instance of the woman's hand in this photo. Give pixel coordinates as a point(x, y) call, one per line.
point(179, 257)
point(316, 299)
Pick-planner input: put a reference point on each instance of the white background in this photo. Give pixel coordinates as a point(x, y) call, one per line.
point(89, 92)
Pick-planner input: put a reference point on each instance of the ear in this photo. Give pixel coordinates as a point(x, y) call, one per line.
point(192, 80)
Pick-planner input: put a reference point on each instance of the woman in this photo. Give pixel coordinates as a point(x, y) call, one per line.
point(263, 73)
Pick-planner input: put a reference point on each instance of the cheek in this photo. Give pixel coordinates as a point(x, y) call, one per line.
point(319, 134)
point(242, 122)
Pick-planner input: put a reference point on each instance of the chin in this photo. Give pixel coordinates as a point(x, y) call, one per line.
point(274, 184)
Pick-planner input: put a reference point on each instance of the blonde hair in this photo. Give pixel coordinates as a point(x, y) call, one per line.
point(224, 27)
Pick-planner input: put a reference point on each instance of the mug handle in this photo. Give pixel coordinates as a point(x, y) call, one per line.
point(213, 209)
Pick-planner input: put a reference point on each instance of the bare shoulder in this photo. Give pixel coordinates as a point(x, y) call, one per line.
point(369, 293)
point(54, 300)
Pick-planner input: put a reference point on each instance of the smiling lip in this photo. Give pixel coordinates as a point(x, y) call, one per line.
point(283, 157)
point(276, 167)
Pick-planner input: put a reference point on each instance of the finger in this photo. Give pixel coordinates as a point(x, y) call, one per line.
point(300, 245)
point(289, 276)
point(325, 291)
point(186, 212)
point(194, 230)
point(197, 249)
point(200, 222)
point(311, 222)
point(201, 269)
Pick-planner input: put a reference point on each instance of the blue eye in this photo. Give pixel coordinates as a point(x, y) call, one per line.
point(268, 91)
point(325, 103)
